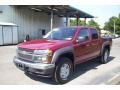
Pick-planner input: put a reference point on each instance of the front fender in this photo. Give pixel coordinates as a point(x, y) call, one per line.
point(59, 52)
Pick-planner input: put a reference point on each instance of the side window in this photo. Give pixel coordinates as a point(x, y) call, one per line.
point(94, 34)
point(83, 35)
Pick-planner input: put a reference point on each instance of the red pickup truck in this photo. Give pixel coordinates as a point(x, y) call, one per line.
point(60, 50)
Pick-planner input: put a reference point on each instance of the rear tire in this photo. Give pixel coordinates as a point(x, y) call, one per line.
point(63, 70)
point(105, 55)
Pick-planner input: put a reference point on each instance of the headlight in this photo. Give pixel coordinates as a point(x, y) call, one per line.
point(42, 56)
point(43, 52)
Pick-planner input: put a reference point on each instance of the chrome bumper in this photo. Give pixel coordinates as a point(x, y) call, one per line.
point(38, 68)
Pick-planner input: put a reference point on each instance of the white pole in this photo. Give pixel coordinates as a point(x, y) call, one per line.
point(51, 26)
point(114, 28)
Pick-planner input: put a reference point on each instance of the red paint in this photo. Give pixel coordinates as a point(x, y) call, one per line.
point(83, 51)
point(43, 44)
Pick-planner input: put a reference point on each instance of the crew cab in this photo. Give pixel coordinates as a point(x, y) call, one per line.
point(60, 50)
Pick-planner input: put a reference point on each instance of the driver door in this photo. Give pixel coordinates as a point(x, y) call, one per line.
point(82, 47)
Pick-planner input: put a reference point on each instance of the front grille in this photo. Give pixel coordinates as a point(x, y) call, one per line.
point(25, 54)
point(27, 50)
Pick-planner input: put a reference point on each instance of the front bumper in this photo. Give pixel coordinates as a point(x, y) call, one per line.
point(45, 70)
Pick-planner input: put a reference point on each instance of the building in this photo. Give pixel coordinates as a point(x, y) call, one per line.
point(35, 20)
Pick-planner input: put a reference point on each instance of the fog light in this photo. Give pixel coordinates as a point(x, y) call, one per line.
point(44, 59)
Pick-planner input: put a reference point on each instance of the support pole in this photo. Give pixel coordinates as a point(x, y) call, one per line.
point(77, 20)
point(66, 21)
point(85, 22)
point(51, 19)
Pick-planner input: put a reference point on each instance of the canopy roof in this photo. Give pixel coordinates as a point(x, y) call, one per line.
point(60, 10)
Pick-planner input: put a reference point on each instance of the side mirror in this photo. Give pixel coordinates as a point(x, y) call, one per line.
point(43, 36)
point(81, 39)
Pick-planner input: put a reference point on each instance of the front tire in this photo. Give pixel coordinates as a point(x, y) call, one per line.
point(105, 56)
point(63, 70)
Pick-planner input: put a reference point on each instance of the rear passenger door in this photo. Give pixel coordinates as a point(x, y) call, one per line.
point(95, 43)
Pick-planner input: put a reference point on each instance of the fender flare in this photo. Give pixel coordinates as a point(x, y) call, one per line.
point(62, 51)
point(103, 46)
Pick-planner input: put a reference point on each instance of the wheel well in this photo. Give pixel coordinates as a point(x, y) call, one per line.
point(107, 47)
point(68, 55)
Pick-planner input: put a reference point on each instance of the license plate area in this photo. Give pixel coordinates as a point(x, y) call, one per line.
point(23, 67)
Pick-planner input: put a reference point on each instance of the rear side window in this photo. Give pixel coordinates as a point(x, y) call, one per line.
point(94, 34)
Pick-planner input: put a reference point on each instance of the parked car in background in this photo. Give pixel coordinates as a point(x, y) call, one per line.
point(57, 54)
point(116, 35)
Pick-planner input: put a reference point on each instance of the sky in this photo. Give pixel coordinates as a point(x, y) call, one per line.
point(102, 12)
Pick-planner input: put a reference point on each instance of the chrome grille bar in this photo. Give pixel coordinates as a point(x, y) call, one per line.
point(25, 54)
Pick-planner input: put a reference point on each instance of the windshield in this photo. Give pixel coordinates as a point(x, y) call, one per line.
point(61, 34)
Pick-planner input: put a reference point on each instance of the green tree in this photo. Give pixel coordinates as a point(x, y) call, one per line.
point(92, 23)
point(73, 22)
point(110, 24)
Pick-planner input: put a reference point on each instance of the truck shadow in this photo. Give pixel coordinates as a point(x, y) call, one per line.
point(79, 70)
point(41, 79)
point(86, 66)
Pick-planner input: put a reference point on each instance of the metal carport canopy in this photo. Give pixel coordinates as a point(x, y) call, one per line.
point(61, 11)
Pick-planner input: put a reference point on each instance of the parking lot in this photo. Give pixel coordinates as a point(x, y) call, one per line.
point(91, 72)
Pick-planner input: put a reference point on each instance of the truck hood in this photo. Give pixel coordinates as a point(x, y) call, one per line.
point(43, 44)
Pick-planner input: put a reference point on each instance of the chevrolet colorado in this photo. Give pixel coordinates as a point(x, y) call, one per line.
point(60, 50)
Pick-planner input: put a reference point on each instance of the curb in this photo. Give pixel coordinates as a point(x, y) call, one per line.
point(114, 80)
